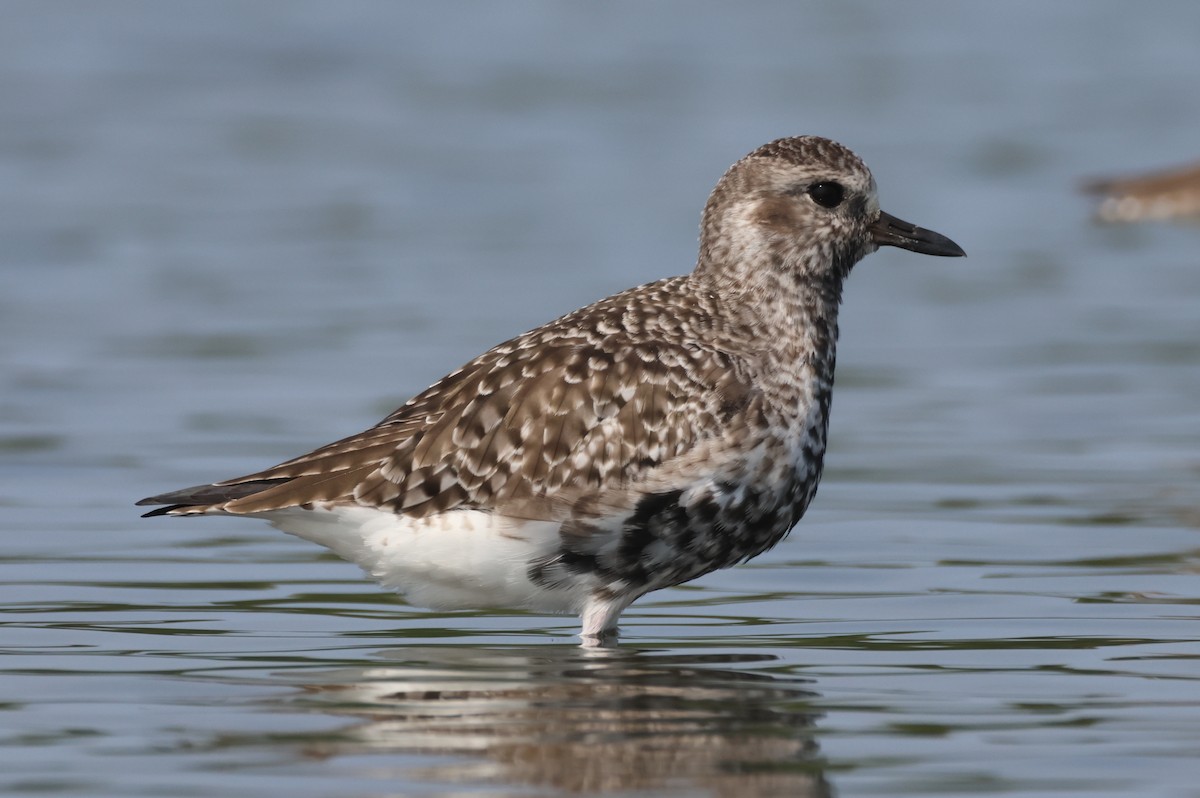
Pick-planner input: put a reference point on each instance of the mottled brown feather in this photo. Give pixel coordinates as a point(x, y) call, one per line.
point(531, 425)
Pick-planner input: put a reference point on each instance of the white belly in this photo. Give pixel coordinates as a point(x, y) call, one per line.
point(458, 560)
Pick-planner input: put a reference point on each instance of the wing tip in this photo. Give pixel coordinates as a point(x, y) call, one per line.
point(168, 510)
point(204, 499)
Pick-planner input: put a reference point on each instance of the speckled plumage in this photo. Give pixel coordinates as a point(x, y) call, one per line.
point(644, 440)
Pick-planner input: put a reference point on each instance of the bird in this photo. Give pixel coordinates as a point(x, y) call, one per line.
point(1166, 195)
point(642, 441)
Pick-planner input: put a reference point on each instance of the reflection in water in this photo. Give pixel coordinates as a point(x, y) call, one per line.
point(581, 721)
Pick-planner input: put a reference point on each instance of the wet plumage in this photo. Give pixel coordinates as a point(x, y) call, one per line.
point(644, 440)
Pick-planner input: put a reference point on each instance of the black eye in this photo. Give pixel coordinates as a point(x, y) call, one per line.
point(829, 194)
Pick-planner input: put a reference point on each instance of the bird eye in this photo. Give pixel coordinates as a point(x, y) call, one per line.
point(829, 194)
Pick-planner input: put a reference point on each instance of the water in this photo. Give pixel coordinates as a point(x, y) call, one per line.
point(234, 231)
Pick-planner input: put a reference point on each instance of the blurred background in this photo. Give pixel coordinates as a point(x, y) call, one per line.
point(230, 232)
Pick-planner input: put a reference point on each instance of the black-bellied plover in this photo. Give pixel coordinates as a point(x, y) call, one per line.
point(1167, 195)
point(634, 444)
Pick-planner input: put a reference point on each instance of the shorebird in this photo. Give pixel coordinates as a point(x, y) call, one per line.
point(637, 443)
point(1168, 195)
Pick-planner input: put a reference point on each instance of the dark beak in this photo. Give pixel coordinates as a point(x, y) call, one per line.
point(888, 231)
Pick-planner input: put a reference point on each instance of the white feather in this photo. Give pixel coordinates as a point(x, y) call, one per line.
point(461, 559)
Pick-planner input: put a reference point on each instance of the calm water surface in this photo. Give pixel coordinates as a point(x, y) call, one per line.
point(232, 232)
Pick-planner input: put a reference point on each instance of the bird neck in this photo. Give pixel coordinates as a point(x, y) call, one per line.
point(789, 309)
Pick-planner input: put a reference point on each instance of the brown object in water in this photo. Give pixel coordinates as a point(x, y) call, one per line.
point(1167, 195)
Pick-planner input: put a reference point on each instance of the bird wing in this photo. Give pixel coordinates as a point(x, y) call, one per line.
point(525, 429)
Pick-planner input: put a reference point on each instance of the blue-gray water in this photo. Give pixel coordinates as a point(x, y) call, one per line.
point(230, 232)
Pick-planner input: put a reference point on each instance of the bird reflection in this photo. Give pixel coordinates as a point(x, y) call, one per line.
point(582, 721)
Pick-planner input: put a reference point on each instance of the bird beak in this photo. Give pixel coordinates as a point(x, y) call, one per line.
point(888, 231)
